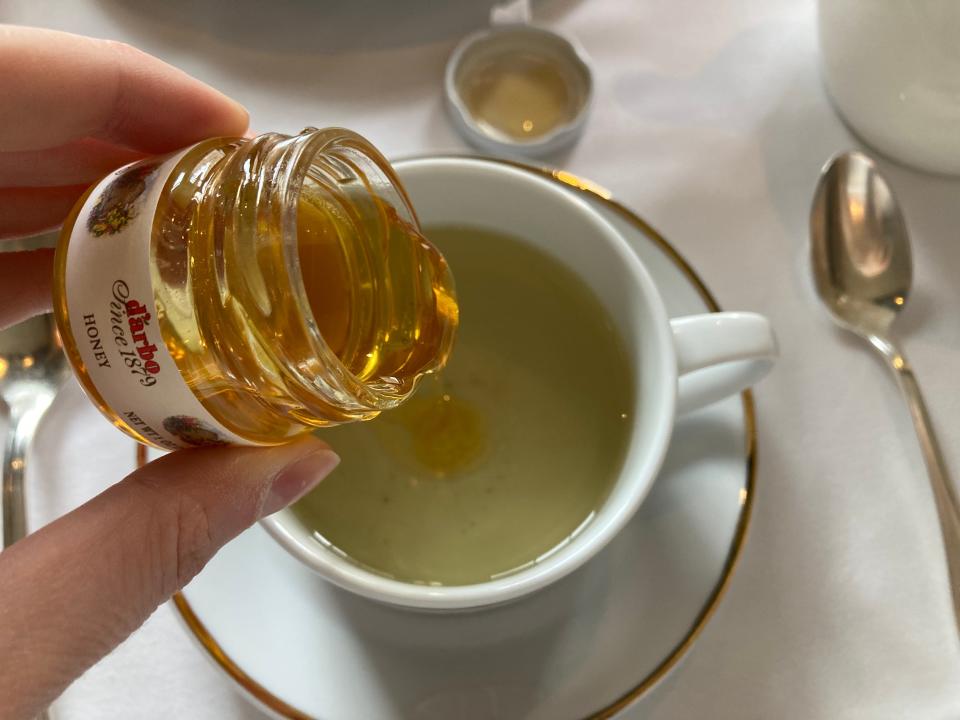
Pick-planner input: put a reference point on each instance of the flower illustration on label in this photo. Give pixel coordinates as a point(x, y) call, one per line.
point(138, 319)
point(192, 431)
point(117, 204)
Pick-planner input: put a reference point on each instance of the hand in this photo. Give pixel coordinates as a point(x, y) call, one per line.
point(73, 109)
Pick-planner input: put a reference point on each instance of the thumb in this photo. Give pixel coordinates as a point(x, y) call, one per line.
point(75, 589)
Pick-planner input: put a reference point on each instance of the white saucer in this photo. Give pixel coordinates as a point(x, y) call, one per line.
point(586, 647)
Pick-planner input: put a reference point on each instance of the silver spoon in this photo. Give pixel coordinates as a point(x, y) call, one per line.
point(32, 369)
point(862, 268)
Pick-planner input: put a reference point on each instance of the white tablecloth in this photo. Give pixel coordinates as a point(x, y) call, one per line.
point(710, 120)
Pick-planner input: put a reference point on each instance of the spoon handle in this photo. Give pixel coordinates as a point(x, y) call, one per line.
point(19, 433)
point(948, 508)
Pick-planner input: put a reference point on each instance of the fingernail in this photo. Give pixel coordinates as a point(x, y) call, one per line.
point(239, 110)
point(241, 107)
point(237, 105)
point(298, 478)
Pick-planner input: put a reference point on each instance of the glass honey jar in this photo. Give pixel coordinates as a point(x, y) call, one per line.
point(247, 291)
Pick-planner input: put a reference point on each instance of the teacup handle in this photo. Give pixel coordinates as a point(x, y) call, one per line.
point(739, 348)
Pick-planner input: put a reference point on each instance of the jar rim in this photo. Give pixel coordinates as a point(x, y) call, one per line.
point(299, 153)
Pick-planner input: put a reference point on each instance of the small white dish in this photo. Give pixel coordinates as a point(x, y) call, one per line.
point(561, 57)
point(590, 644)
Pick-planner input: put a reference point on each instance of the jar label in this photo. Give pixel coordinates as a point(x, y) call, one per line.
point(113, 314)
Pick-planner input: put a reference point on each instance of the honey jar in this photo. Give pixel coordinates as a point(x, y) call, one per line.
point(246, 291)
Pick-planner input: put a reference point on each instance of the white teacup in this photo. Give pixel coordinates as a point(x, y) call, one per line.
point(498, 197)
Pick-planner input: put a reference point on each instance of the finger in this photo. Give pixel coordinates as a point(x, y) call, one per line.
point(80, 162)
point(87, 580)
point(82, 87)
point(27, 211)
point(25, 279)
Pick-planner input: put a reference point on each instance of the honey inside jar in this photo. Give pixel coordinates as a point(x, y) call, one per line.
point(372, 338)
point(292, 286)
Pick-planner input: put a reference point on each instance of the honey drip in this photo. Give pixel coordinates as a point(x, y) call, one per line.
point(446, 433)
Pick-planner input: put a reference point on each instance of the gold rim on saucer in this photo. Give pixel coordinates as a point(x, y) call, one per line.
point(600, 194)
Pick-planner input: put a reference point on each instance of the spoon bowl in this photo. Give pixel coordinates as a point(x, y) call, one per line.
point(860, 249)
